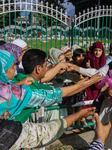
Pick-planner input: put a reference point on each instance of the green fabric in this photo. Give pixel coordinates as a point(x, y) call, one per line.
point(34, 85)
point(49, 115)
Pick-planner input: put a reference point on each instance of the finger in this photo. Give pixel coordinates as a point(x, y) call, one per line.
point(89, 61)
point(97, 74)
point(108, 125)
point(33, 80)
point(30, 80)
point(98, 122)
point(86, 78)
point(91, 113)
point(92, 108)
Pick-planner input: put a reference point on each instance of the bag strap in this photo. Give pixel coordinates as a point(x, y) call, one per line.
point(6, 114)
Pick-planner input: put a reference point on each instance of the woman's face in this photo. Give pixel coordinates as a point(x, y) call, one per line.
point(22, 53)
point(68, 55)
point(62, 58)
point(79, 59)
point(97, 52)
point(11, 71)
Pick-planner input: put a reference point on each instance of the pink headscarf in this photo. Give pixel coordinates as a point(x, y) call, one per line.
point(65, 49)
point(96, 62)
point(92, 91)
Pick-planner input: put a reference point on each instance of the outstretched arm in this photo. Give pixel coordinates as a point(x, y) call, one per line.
point(81, 85)
point(89, 71)
point(50, 74)
point(80, 114)
point(43, 134)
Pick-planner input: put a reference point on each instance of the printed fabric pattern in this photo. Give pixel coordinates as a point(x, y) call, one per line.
point(40, 135)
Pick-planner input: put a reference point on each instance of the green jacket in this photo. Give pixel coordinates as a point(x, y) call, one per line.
point(34, 85)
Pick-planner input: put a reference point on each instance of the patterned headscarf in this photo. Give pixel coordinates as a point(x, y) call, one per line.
point(54, 54)
point(65, 49)
point(13, 49)
point(107, 79)
point(6, 60)
point(13, 97)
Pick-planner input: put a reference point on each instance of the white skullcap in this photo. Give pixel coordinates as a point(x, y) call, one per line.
point(20, 43)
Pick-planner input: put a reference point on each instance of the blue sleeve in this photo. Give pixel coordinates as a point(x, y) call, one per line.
point(108, 60)
point(96, 145)
point(44, 98)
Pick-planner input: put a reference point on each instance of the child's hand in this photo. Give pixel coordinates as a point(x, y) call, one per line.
point(27, 80)
point(81, 77)
point(88, 64)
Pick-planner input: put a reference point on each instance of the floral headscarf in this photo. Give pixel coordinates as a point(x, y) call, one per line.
point(6, 60)
point(54, 54)
point(65, 49)
point(13, 49)
point(10, 94)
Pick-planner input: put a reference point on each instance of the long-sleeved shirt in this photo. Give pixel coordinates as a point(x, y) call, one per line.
point(92, 71)
point(43, 134)
point(96, 145)
point(42, 97)
point(40, 134)
point(108, 59)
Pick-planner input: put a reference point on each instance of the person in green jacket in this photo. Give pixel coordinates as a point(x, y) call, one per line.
point(35, 65)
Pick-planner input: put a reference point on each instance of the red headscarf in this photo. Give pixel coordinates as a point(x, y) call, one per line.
point(92, 91)
point(96, 62)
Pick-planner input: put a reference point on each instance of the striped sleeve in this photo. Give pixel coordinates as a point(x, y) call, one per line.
point(42, 97)
point(96, 145)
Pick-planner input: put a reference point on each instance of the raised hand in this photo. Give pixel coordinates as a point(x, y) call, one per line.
point(63, 65)
point(27, 80)
point(96, 78)
point(101, 131)
point(88, 64)
point(87, 112)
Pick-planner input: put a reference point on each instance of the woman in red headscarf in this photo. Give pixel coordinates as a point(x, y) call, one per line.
point(95, 59)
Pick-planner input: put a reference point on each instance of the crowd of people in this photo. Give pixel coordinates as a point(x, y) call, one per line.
point(73, 75)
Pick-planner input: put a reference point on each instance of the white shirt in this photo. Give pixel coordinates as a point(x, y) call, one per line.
point(92, 71)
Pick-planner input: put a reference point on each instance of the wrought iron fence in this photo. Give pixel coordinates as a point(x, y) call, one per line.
point(93, 25)
point(40, 26)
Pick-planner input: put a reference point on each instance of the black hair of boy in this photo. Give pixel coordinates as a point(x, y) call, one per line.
point(78, 52)
point(32, 58)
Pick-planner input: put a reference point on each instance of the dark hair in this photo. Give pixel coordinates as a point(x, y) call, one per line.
point(2, 42)
point(32, 58)
point(78, 52)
